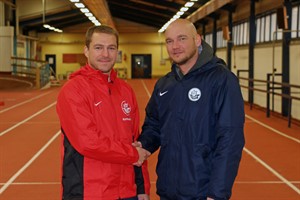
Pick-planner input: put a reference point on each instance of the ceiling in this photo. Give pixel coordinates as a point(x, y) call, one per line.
point(127, 16)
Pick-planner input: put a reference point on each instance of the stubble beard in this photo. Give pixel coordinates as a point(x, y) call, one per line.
point(185, 59)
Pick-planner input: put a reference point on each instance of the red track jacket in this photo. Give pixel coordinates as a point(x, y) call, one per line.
point(99, 121)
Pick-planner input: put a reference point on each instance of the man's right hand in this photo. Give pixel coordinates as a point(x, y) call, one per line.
point(143, 154)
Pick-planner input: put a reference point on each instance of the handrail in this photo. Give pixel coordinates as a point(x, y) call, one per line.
point(37, 69)
point(270, 90)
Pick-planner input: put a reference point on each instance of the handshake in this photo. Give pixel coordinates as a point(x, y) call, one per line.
point(143, 153)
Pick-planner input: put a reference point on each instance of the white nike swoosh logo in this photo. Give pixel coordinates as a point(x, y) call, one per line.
point(97, 104)
point(163, 93)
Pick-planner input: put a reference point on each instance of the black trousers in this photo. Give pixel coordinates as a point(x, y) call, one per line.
point(131, 198)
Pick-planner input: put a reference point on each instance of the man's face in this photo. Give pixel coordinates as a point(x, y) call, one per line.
point(181, 44)
point(102, 52)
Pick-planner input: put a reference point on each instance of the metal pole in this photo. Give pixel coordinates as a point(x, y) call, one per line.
point(44, 8)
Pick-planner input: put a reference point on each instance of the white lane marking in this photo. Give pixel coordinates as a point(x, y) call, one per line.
point(25, 120)
point(145, 87)
point(18, 80)
point(19, 104)
point(9, 182)
point(34, 183)
point(284, 180)
point(274, 130)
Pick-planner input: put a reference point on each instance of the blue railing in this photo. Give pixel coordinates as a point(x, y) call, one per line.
point(37, 70)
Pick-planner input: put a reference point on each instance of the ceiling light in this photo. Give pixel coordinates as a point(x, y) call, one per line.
point(88, 14)
point(46, 26)
point(79, 5)
point(189, 4)
point(184, 9)
point(179, 13)
point(97, 23)
point(92, 18)
point(58, 30)
point(84, 10)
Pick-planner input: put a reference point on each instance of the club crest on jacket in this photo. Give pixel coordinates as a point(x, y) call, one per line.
point(194, 94)
point(126, 108)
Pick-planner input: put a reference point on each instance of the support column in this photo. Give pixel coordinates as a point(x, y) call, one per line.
point(252, 40)
point(286, 39)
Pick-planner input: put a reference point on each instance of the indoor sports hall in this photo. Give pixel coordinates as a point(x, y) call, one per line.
point(41, 45)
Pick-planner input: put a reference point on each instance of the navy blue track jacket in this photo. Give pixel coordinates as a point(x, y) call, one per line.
point(197, 120)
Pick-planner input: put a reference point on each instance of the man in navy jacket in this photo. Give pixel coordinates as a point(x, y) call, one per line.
point(196, 117)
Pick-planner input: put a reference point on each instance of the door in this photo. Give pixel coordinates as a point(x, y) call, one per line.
point(141, 66)
point(51, 59)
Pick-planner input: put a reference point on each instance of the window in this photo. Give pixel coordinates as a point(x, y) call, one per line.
point(295, 20)
point(267, 28)
point(273, 26)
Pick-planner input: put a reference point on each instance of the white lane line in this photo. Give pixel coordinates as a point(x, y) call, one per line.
point(19, 104)
point(9, 182)
point(28, 118)
point(154, 182)
point(145, 87)
point(274, 130)
point(18, 80)
point(284, 180)
point(264, 182)
point(33, 183)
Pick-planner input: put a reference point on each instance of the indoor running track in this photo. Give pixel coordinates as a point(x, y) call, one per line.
point(30, 149)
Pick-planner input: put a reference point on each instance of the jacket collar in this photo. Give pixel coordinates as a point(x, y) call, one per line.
point(88, 71)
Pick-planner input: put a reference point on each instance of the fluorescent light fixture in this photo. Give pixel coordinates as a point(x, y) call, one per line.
point(184, 9)
point(58, 30)
point(179, 13)
point(46, 26)
point(84, 10)
point(176, 17)
point(88, 14)
point(52, 28)
point(189, 4)
point(79, 5)
point(97, 23)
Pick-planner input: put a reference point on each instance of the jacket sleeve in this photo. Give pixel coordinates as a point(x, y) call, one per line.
point(142, 179)
point(150, 137)
point(79, 126)
point(229, 111)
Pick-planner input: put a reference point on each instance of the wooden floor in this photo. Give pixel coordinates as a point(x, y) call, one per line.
point(30, 149)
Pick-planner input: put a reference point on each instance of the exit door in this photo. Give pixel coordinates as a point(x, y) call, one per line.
point(51, 59)
point(141, 66)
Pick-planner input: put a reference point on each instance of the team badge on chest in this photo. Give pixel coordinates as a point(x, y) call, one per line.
point(194, 94)
point(126, 108)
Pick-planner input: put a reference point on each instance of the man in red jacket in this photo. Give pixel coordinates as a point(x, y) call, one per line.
point(99, 118)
